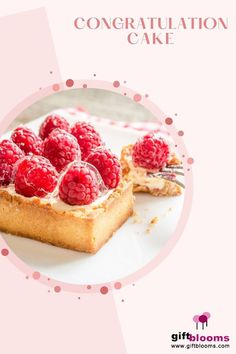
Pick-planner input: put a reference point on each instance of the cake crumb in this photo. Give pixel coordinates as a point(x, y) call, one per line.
point(136, 218)
point(152, 222)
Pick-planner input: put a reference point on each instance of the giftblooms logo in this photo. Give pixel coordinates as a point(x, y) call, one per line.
point(203, 319)
point(187, 340)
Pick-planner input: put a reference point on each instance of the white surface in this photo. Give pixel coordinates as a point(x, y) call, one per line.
point(127, 251)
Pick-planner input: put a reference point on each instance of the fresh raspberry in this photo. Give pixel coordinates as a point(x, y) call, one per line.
point(87, 137)
point(52, 122)
point(27, 140)
point(35, 176)
point(107, 165)
point(9, 154)
point(150, 153)
point(61, 148)
point(79, 185)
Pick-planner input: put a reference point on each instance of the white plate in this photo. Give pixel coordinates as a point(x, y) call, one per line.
point(127, 251)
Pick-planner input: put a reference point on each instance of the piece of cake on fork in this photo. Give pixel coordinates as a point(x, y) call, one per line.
point(152, 167)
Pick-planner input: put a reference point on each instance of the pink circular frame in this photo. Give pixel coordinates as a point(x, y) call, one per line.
point(58, 286)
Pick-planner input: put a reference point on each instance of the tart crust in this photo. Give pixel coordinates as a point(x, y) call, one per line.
point(156, 186)
point(85, 229)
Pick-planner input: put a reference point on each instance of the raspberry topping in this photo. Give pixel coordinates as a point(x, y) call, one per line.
point(79, 185)
point(150, 153)
point(107, 165)
point(9, 154)
point(52, 122)
point(61, 148)
point(35, 176)
point(27, 140)
point(87, 137)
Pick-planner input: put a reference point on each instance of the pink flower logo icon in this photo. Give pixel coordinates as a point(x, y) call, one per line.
point(203, 319)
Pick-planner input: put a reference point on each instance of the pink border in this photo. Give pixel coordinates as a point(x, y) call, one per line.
point(160, 116)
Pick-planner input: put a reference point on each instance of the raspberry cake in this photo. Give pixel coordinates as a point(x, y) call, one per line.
point(62, 187)
point(151, 166)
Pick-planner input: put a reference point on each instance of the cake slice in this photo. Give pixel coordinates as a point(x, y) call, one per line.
point(159, 183)
point(84, 228)
point(66, 190)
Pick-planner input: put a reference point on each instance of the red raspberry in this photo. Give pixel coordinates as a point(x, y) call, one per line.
point(35, 176)
point(27, 140)
point(87, 137)
point(52, 122)
point(61, 148)
point(150, 152)
point(79, 185)
point(107, 165)
point(9, 154)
